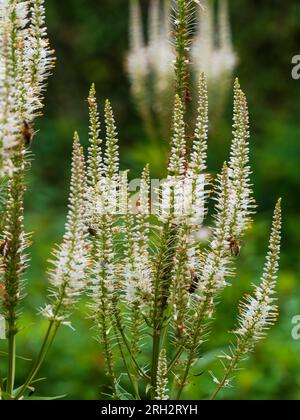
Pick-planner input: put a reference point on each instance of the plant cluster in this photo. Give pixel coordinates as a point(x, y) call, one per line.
point(151, 285)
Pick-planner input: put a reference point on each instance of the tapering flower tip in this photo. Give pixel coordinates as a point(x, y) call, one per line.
point(198, 156)
point(177, 162)
point(95, 164)
point(111, 159)
point(259, 312)
point(237, 84)
point(67, 277)
point(162, 377)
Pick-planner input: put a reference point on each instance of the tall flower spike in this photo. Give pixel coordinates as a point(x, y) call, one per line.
point(259, 312)
point(215, 267)
point(198, 155)
point(242, 202)
point(162, 377)
point(177, 163)
point(183, 16)
point(111, 160)
point(138, 268)
point(42, 60)
point(95, 164)
point(14, 242)
point(103, 278)
point(25, 64)
point(67, 277)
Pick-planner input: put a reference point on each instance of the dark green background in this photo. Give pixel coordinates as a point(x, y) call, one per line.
point(91, 40)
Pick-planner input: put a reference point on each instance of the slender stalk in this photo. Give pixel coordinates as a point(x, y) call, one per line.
point(132, 380)
point(162, 284)
point(14, 262)
point(121, 330)
point(47, 342)
point(182, 46)
point(176, 358)
point(11, 363)
point(197, 333)
point(185, 375)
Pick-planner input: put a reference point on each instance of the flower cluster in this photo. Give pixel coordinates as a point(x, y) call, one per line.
point(25, 64)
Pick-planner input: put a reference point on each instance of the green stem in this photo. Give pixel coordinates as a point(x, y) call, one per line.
point(176, 358)
point(121, 330)
point(185, 375)
point(11, 361)
point(132, 380)
point(48, 340)
point(155, 355)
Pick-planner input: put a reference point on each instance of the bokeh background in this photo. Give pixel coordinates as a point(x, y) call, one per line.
point(91, 40)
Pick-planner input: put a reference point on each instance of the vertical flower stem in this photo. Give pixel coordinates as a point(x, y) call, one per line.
point(14, 262)
point(11, 362)
point(47, 343)
point(182, 46)
point(161, 290)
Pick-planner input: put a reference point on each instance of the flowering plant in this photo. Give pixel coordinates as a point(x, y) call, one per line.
point(152, 285)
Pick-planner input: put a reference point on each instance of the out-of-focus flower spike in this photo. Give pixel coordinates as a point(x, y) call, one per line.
point(154, 22)
point(136, 28)
point(224, 36)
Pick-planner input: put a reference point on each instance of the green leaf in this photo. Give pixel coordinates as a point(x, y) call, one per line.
point(123, 394)
point(36, 398)
point(4, 353)
point(149, 387)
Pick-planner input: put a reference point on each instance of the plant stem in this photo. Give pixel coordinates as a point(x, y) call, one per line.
point(197, 333)
point(120, 329)
point(162, 284)
point(11, 361)
point(176, 358)
point(185, 375)
point(48, 340)
point(132, 380)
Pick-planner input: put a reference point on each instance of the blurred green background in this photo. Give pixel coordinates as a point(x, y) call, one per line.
point(91, 40)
